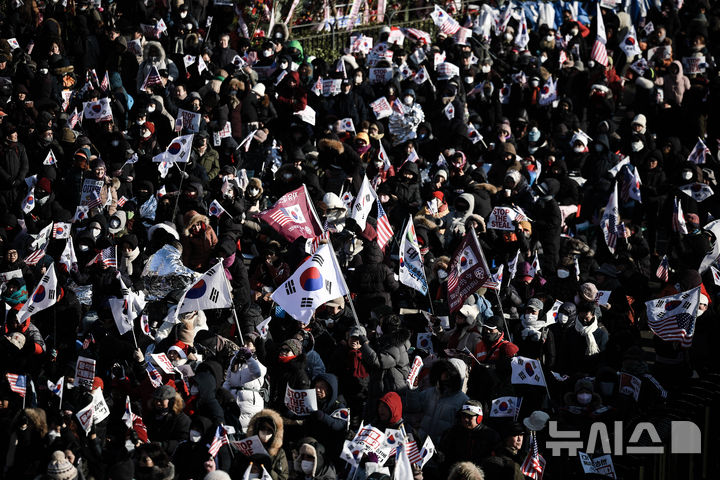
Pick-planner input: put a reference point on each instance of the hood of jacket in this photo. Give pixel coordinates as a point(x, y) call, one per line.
point(310, 446)
point(393, 402)
point(333, 382)
point(276, 420)
point(191, 218)
point(154, 48)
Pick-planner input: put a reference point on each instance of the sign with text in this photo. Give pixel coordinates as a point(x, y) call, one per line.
point(84, 372)
point(300, 402)
point(250, 446)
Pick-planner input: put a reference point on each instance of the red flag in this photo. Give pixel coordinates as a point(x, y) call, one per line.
point(293, 216)
point(468, 271)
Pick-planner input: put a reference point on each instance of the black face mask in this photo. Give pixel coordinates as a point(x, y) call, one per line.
point(491, 337)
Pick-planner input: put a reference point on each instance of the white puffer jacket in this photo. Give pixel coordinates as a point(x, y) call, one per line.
point(245, 384)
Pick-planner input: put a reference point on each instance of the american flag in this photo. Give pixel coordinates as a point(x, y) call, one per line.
point(599, 51)
point(316, 242)
point(121, 201)
point(452, 280)
point(413, 453)
point(384, 231)
point(678, 218)
point(281, 217)
point(445, 23)
point(107, 257)
point(219, 440)
point(129, 417)
point(678, 327)
point(95, 77)
point(32, 259)
point(611, 221)
point(95, 201)
point(418, 35)
point(153, 78)
point(17, 383)
point(105, 85)
point(697, 156)
point(663, 270)
point(534, 463)
point(88, 341)
point(74, 118)
point(154, 375)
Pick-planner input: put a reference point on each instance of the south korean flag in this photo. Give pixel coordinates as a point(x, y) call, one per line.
point(317, 281)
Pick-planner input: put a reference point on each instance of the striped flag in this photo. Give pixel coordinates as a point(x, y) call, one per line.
point(105, 85)
point(317, 241)
point(32, 259)
point(121, 201)
point(384, 230)
point(599, 51)
point(74, 118)
point(219, 440)
point(413, 452)
point(154, 375)
point(152, 78)
point(663, 270)
point(17, 383)
point(697, 156)
point(534, 463)
point(672, 318)
point(107, 257)
point(445, 23)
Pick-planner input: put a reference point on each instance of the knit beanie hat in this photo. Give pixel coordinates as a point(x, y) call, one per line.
point(294, 345)
point(60, 467)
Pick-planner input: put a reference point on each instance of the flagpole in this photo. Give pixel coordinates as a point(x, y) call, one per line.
point(497, 295)
point(342, 277)
point(237, 322)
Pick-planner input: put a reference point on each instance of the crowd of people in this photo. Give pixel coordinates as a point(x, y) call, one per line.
point(543, 110)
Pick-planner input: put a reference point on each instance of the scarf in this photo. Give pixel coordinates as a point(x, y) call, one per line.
point(532, 330)
point(127, 260)
point(358, 369)
point(587, 332)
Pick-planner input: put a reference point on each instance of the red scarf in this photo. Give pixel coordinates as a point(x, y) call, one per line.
point(358, 369)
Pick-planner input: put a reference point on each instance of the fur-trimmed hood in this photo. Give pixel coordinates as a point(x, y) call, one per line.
point(37, 420)
point(421, 221)
point(277, 438)
point(154, 48)
point(328, 145)
point(191, 218)
point(492, 189)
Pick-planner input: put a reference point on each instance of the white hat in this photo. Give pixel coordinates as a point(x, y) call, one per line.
point(469, 311)
point(537, 420)
point(259, 89)
point(178, 350)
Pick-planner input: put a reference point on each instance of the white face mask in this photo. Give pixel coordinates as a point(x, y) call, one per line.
point(574, 31)
point(562, 273)
point(146, 133)
point(195, 436)
point(584, 398)
point(141, 122)
point(96, 232)
point(267, 53)
point(562, 318)
point(579, 149)
point(307, 466)
point(254, 192)
point(469, 79)
point(636, 146)
point(531, 318)
point(43, 201)
point(686, 175)
point(442, 274)
point(408, 100)
point(384, 198)
point(151, 108)
point(183, 14)
point(534, 83)
point(550, 38)
point(264, 436)
point(283, 65)
point(508, 36)
point(485, 68)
